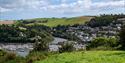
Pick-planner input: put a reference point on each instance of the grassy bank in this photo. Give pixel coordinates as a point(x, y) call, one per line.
point(72, 57)
point(87, 57)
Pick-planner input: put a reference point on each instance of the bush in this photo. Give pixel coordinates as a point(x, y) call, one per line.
point(10, 56)
point(36, 56)
point(31, 58)
point(7, 57)
point(103, 43)
point(67, 47)
point(2, 53)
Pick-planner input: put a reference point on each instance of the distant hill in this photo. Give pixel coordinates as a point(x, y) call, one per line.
point(58, 21)
point(6, 22)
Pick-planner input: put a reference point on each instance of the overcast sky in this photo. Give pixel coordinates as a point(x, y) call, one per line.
point(25, 9)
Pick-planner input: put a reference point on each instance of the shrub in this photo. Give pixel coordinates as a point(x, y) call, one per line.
point(67, 47)
point(2, 53)
point(10, 56)
point(36, 56)
point(103, 43)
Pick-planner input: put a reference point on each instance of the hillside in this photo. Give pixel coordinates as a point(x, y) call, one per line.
point(87, 57)
point(59, 21)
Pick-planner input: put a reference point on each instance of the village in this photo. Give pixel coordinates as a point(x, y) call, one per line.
point(87, 33)
point(84, 32)
point(62, 31)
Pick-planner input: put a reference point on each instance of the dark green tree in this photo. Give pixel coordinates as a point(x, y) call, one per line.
point(122, 37)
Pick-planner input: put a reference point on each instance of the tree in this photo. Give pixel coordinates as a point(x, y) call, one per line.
point(42, 40)
point(18, 35)
point(102, 20)
point(122, 37)
point(40, 45)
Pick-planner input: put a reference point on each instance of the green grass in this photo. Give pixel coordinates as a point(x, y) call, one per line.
point(87, 57)
point(62, 21)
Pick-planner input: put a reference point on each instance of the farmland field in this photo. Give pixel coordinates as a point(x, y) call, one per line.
point(62, 21)
point(87, 57)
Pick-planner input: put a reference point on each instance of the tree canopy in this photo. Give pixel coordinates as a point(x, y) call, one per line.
point(16, 34)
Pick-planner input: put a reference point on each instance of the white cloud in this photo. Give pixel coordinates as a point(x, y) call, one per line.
point(85, 5)
point(45, 5)
point(37, 3)
point(22, 4)
point(77, 6)
point(116, 4)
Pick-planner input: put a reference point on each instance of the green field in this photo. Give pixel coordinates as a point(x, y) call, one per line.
point(62, 21)
point(87, 57)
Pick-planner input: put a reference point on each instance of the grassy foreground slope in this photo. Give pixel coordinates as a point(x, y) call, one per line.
point(63, 21)
point(87, 57)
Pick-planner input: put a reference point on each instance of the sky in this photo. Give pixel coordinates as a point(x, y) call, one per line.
point(27, 9)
